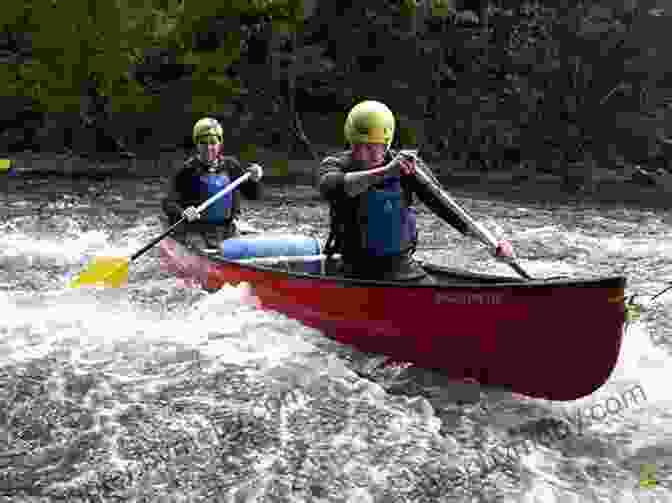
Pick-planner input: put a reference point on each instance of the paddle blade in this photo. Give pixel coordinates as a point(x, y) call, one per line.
point(104, 271)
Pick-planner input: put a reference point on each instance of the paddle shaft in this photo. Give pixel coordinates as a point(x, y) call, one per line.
point(481, 232)
point(226, 190)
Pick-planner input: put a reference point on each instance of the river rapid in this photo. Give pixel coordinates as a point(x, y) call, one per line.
point(162, 392)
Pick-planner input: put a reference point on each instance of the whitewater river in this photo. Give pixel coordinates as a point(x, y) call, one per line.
point(162, 392)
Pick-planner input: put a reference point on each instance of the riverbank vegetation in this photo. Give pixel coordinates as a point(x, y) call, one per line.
point(493, 85)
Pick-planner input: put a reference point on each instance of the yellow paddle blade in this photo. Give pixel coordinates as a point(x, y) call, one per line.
point(104, 271)
point(5, 165)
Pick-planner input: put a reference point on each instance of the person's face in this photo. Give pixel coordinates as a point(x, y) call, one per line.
point(209, 149)
point(372, 154)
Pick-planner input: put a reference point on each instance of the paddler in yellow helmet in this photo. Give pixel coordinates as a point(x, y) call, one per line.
point(370, 191)
point(202, 176)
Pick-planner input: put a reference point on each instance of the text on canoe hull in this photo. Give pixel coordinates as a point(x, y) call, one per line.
point(468, 298)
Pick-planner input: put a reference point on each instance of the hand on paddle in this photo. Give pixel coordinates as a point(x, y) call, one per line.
point(504, 249)
point(191, 214)
point(404, 162)
point(256, 171)
point(407, 166)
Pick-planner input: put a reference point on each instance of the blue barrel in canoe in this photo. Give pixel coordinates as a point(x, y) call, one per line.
point(275, 245)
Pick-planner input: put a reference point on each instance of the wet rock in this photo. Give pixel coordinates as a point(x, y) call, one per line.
point(641, 176)
point(660, 178)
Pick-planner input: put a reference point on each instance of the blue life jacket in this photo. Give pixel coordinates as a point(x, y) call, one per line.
point(220, 211)
point(390, 225)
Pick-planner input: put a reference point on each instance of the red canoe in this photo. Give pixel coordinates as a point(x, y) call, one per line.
point(551, 339)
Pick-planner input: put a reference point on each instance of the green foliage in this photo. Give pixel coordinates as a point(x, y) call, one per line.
point(406, 133)
point(442, 8)
point(211, 86)
point(248, 152)
point(279, 167)
point(77, 42)
point(408, 7)
point(337, 121)
point(539, 69)
point(72, 43)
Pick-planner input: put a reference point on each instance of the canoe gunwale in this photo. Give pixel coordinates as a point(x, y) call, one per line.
point(471, 279)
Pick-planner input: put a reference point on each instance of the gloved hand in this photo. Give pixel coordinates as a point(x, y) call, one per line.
point(257, 172)
point(191, 214)
point(504, 249)
point(403, 163)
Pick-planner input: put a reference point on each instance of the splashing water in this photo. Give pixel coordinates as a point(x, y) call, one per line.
point(159, 391)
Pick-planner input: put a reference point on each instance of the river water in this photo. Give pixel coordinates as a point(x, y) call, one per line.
point(163, 392)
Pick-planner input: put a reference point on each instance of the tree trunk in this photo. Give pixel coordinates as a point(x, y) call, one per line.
point(94, 114)
point(297, 124)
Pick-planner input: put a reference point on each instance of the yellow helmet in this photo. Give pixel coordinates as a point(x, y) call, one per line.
point(370, 122)
point(207, 127)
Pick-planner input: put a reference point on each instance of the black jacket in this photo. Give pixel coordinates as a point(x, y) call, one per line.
point(332, 187)
point(182, 192)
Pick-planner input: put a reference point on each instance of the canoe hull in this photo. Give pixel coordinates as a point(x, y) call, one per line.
point(554, 340)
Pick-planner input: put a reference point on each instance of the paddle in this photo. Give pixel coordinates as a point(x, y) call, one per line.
point(113, 271)
point(479, 231)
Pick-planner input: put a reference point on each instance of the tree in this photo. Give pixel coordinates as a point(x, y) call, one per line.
point(82, 53)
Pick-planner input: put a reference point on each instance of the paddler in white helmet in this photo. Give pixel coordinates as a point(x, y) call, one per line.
point(370, 191)
point(202, 176)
